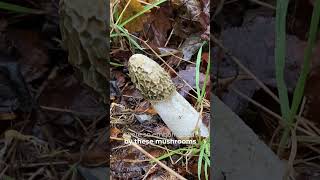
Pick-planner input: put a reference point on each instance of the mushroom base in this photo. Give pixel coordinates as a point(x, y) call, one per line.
point(180, 116)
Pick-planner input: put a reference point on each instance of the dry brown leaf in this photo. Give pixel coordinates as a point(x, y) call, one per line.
point(145, 107)
point(114, 132)
point(34, 60)
point(133, 8)
point(189, 76)
point(193, 7)
point(160, 26)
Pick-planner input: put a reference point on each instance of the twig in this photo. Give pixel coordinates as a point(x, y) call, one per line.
point(157, 161)
point(171, 33)
point(35, 174)
point(66, 111)
point(30, 165)
point(51, 76)
point(146, 3)
point(4, 171)
point(147, 174)
point(278, 117)
point(258, 104)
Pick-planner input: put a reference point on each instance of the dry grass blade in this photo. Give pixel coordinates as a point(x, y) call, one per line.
point(303, 121)
point(158, 162)
point(293, 153)
point(219, 8)
point(256, 103)
point(246, 70)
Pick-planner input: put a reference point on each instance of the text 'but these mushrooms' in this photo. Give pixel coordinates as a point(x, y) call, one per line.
point(155, 85)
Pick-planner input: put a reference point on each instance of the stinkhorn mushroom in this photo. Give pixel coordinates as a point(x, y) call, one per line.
point(156, 85)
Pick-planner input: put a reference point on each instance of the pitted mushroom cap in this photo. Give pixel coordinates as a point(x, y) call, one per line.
point(150, 78)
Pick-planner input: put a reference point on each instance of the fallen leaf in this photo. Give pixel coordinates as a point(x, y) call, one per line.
point(145, 107)
point(189, 75)
point(114, 132)
point(193, 8)
point(163, 132)
point(75, 98)
point(160, 25)
point(132, 9)
point(156, 152)
point(205, 57)
point(120, 78)
point(190, 46)
point(34, 59)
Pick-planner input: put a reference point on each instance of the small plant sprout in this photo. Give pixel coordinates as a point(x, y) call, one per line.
point(156, 86)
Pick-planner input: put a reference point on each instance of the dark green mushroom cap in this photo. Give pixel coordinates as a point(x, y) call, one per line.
point(150, 78)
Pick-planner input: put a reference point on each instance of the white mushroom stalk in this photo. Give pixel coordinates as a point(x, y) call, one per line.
point(156, 86)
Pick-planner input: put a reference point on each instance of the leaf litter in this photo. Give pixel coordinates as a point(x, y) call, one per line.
point(64, 125)
point(166, 29)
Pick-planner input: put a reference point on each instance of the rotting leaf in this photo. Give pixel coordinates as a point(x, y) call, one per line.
point(114, 132)
point(86, 106)
point(120, 78)
point(189, 76)
point(193, 7)
point(190, 46)
point(145, 107)
point(128, 163)
point(160, 25)
point(164, 131)
point(34, 60)
point(194, 18)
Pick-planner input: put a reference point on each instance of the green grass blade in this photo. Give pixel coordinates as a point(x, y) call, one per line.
point(299, 90)
point(198, 63)
point(203, 91)
point(280, 54)
point(146, 8)
point(206, 170)
point(180, 151)
point(130, 39)
point(18, 9)
point(201, 155)
point(165, 156)
point(207, 149)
